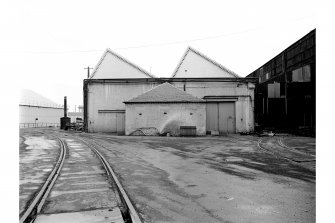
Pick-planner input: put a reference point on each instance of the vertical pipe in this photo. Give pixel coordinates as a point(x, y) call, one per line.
point(65, 107)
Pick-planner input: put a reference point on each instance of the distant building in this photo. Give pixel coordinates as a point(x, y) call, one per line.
point(228, 99)
point(285, 89)
point(36, 110)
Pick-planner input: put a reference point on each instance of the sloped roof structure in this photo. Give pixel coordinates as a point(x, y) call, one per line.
point(103, 62)
point(31, 98)
point(165, 93)
point(190, 50)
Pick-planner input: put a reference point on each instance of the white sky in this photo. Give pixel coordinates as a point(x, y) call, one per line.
point(45, 45)
point(50, 42)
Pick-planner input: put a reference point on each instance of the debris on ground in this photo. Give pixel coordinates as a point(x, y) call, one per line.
point(266, 133)
point(150, 131)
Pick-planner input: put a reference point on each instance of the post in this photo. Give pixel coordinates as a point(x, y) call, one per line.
point(88, 71)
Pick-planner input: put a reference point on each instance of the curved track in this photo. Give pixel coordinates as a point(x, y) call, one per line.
point(296, 157)
point(128, 211)
point(37, 203)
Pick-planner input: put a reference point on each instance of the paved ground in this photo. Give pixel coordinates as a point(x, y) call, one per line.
point(210, 179)
point(82, 192)
point(204, 179)
point(38, 155)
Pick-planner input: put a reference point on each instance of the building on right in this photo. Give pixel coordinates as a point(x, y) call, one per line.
point(285, 89)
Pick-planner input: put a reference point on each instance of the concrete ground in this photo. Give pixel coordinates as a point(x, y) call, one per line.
point(38, 155)
point(81, 193)
point(174, 179)
point(211, 179)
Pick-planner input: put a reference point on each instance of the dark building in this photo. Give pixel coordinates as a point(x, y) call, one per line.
point(285, 90)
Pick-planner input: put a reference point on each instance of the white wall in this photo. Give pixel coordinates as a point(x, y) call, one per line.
point(113, 67)
point(44, 115)
point(197, 66)
point(177, 114)
point(110, 96)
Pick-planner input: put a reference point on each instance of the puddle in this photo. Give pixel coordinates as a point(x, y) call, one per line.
point(95, 216)
point(46, 170)
point(233, 159)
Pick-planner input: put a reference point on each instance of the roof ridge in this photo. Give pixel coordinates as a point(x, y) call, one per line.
point(162, 85)
point(108, 50)
point(206, 58)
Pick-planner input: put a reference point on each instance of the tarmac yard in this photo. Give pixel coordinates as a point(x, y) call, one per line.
point(208, 179)
point(211, 179)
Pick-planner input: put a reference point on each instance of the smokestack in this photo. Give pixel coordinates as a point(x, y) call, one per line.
point(65, 107)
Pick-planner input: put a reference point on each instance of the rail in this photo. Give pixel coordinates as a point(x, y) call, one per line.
point(130, 212)
point(36, 205)
point(277, 154)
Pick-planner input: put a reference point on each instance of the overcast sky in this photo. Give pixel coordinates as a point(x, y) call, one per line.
point(48, 43)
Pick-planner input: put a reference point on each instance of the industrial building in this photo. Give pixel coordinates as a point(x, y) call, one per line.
point(285, 89)
point(36, 110)
point(166, 108)
point(219, 100)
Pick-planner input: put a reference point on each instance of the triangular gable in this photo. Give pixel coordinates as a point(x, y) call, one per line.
point(29, 97)
point(165, 93)
point(195, 64)
point(112, 65)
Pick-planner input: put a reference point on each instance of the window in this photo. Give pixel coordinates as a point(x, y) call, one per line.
point(306, 70)
point(274, 90)
point(302, 74)
point(267, 76)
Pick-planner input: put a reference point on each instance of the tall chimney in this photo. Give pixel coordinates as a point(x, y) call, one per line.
point(65, 107)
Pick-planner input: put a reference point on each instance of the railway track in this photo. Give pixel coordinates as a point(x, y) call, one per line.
point(129, 212)
point(37, 205)
point(290, 154)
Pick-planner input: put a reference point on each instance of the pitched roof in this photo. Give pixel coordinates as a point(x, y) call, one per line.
point(165, 93)
point(206, 58)
point(109, 51)
point(31, 98)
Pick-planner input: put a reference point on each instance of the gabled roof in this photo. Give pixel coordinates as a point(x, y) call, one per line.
point(31, 98)
point(165, 93)
point(109, 51)
point(204, 57)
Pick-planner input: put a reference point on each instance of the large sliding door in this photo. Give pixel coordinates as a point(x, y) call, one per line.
point(220, 117)
point(111, 121)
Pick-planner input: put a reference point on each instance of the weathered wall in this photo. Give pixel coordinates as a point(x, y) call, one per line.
point(110, 96)
point(196, 66)
point(44, 115)
point(166, 117)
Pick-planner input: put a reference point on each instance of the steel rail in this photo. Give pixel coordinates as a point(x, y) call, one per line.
point(36, 205)
point(284, 157)
point(281, 143)
point(130, 209)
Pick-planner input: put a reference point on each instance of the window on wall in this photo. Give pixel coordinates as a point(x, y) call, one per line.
point(274, 90)
point(302, 74)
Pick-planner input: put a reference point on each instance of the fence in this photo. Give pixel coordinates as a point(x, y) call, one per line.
point(39, 125)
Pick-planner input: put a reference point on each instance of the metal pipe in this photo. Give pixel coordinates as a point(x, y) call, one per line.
point(65, 107)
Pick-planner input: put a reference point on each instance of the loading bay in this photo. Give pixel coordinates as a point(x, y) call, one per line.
point(233, 178)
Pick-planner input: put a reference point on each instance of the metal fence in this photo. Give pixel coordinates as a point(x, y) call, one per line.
point(39, 125)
